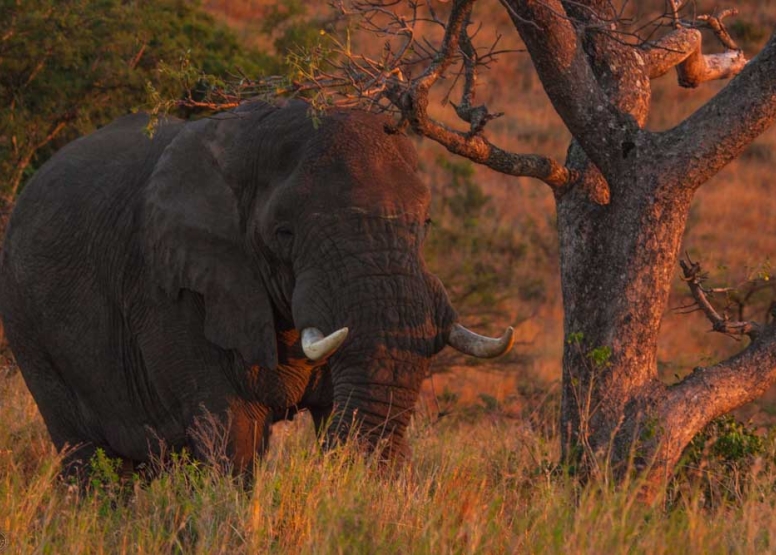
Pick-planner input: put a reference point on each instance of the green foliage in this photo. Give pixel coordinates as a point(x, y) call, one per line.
point(67, 67)
point(600, 356)
point(727, 440)
point(720, 461)
point(575, 338)
point(103, 470)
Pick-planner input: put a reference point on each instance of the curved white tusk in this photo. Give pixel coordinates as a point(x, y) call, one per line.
point(316, 346)
point(470, 343)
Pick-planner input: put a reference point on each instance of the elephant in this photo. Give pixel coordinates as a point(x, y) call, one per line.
point(245, 266)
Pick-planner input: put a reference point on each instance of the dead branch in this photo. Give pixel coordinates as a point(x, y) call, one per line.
point(411, 99)
point(682, 49)
point(694, 276)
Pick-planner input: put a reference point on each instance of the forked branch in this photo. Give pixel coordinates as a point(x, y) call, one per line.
point(694, 276)
point(411, 98)
point(682, 49)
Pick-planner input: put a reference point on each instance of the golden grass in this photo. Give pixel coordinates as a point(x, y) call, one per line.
point(480, 484)
point(481, 480)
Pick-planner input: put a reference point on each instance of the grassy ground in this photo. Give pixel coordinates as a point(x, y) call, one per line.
point(485, 439)
point(482, 481)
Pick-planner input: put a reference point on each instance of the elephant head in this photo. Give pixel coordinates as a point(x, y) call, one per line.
point(279, 222)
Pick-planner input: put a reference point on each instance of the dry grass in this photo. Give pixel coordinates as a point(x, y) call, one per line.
point(481, 482)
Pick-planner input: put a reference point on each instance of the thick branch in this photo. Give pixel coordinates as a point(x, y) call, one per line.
point(715, 134)
point(694, 277)
point(711, 392)
point(477, 149)
point(682, 49)
point(569, 81)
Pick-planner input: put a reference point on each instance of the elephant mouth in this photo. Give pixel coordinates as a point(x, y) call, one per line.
point(375, 388)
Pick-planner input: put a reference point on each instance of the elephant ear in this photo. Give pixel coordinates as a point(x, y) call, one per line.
point(193, 241)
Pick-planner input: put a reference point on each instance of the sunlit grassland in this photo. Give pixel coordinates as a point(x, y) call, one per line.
point(480, 482)
point(484, 476)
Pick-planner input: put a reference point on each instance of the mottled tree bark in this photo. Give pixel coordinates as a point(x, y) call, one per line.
point(620, 230)
point(623, 195)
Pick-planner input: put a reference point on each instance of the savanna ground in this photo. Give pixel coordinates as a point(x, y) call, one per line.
point(484, 476)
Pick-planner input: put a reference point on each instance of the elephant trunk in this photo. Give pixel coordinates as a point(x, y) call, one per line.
point(374, 408)
point(378, 372)
point(397, 316)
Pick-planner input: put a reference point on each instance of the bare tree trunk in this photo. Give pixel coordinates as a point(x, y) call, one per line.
point(620, 237)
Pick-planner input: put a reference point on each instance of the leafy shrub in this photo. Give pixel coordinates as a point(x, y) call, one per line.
point(719, 462)
point(67, 67)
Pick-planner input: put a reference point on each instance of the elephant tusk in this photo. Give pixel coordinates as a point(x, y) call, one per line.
point(470, 343)
point(316, 346)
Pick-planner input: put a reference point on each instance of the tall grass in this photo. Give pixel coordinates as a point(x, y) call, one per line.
point(482, 484)
point(484, 478)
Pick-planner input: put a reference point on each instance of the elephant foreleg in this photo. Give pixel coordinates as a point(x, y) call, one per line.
point(321, 417)
point(249, 435)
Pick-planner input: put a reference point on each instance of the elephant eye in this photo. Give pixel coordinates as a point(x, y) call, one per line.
point(285, 238)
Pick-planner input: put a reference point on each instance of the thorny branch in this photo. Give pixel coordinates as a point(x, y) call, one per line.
point(694, 276)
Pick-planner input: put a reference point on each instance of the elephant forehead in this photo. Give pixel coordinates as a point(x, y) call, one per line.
point(372, 184)
point(359, 158)
point(384, 229)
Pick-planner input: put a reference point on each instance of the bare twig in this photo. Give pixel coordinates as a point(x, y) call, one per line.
point(694, 276)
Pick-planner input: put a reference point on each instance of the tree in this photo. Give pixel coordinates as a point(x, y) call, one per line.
point(622, 195)
point(67, 67)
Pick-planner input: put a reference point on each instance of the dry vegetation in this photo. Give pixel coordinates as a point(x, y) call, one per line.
point(485, 439)
point(481, 482)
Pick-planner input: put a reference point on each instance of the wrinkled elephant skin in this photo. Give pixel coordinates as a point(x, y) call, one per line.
point(148, 283)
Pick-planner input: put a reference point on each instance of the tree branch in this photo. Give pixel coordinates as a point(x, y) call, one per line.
point(711, 392)
point(715, 134)
point(477, 149)
point(694, 277)
point(411, 99)
point(682, 49)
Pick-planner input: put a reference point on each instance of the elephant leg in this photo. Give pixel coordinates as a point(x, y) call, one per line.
point(59, 408)
point(248, 435)
point(321, 416)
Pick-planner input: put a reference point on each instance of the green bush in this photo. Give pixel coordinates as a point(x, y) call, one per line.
point(719, 462)
point(67, 67)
